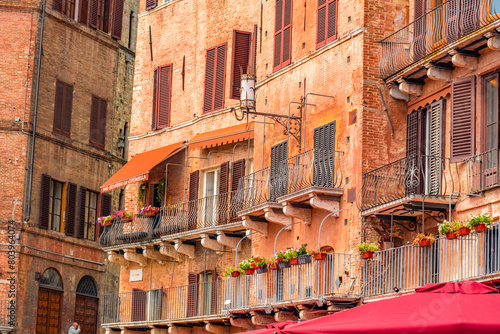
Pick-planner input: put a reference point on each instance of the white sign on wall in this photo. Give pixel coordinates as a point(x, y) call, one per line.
point(136, 275)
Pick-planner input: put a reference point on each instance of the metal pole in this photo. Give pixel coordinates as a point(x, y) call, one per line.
point(238, 245)
point(458, 193)
point(392, 225)
point(320, 226)
point(276, 239)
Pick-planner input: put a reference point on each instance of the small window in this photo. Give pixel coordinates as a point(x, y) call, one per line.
point(241, 54)
point(56, 205)
point(282, 34)
point(66, 7)
point(90, 215)
point(162, 97)
point(215, 72)
point(63, 106)
point(87, 287)
point(98, 122)
point(327, 22)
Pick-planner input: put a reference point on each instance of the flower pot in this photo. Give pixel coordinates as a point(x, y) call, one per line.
point(451, 235)
point(149, 214)
point(274, 266)
point(303, 259)
point(320, 256)
point(235, 273)
point(367, 255)
point(284, 264)
point(464, 231)
point(249, 271)
point(262, 269)
point(127, 219)
point(424, 243)
point(107, 222)
point(480, 227)
point(294, 261)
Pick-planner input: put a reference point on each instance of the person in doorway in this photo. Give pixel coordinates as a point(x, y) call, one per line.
point(74, 329)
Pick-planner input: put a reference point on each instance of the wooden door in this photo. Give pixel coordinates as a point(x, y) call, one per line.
point(86, 309)
point(138, 305)
point(49, 311)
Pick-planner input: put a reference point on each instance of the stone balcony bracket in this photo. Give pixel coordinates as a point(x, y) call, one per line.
point(306, 314)
point(284, 316)
point(118, 258)
point(254, 225)
point(324, 202)
point(150, 253)
point(217, 329)
point(211, 243)
point(398, 95)
point(462, 60)
point(302, 214)
point(493, 40)
point(185, 249)
point(224, 240)
point(278, 218)
point(179, 330)
point(436, 73)
point(132, 256)
point(245, 323)
point(261, 319)
point(410, 88)
point(155, 330)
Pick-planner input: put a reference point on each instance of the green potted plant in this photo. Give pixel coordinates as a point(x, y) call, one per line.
point(261, 265)
point(231, 271)
point(367, 250)
point(464, 228)
point(292, 254)
point(317, 255)
point(423, 240)
point(125, 216)
point(449, 229)
point(273, 263)
point(150, 211)
point(479, 222)
point(283, 260)
point(248, 266)
point(302, 254)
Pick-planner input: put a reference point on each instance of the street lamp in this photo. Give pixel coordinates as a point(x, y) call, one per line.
point(276, 239)
point(320, 226)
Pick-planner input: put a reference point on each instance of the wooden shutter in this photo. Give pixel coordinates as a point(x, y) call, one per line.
point(254, 49)
point(279, 172)
point(68, 101)
point(224, 178)
point(163, 91)
point(194, 178)
point(116, 30)
point(321, 27)
point(44, 202)
point(94, 13)
point(192, 302)
point(214, 293)
point(462, 118)
point(436, 146)
point(214, 79)
point(331, 32)
point(220, 77)
point(138, 305)
point(81, 217)
point(238, 173)
point(83, 15)
point(412, 134)
point(324, 155)
point(150, 4)
point(57, 5)
point(58, 108)
point(283, 34)
point(70, 221)
point(102, 122)
point(155, 83)
point(209, 81)
point(193, 196)
point(94, 119)
point(241, 54)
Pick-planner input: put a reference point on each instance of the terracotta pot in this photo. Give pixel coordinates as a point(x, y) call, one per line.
point(235, 273)
point(127, 219)
point(424, 243)
point(367, 255)
point(464, 231)
point(451, 235)
point(249, 271)
point(273, 266)
point(294, 261)
point(320, 256)
point(149, 214)
point(108, 222)
point(480, 227)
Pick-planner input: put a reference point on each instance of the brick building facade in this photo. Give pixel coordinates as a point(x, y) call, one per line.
point(74, 91)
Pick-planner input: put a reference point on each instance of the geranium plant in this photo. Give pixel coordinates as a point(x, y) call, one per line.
point(104, 221)
point(247, 264)
point(447, 227)
point(282, 256)
point(479, 222)
point(150, 210)
point(260, 261)
point(124, 215)
point(230, 270)
point(301, 250)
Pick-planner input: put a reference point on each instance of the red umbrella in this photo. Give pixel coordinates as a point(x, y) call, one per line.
point(272, 328)
point(442, 308)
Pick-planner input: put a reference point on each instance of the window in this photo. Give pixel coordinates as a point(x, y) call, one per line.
point(279, 170)
point(99, 14)
point(150, 4)
point(66, 7)
point(327, 22)
point(241, 54)
point(63, 106)
point(56, 206)
point(90, 215)
point(210, 190)
point(215, 72)
point(161, 97)
point(282, 34)
point(52, 205)
point(324, 156)
point(491, 112)
point(462, 118)
point(98, 122)
point(205, 290)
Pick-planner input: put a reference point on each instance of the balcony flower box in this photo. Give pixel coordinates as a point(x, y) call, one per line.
point(423, 240)
point(464, 231)
point(150, 211)
point(367, 250)
point(303, 259)
point(451, 235)
point(262, 270)
point(450, 229)
point(366, 255)
point(320, 256)
point(479, 222)
point(480, 228)
point(105, 221)
point(235, 274)
point(273, 266)
point(284, 264)
point(424, 243)
point(231, 271)
point(249, 271)
point(126, 217)
point(294, 261)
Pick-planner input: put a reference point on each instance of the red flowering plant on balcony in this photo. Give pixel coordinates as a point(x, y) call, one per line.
point(105, 221)
point(125, 216)
point(231, 271)
point(479, 222)
point(150, 211)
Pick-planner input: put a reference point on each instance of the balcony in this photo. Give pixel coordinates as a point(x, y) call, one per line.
point(446, 27)
point(193, 217)
point(471, 257)
point(334, 278)
point(483, 171)
point(409, 180)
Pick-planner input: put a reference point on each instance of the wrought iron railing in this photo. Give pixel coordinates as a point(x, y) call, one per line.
point(201, 213)
point(422, 175)
point(334, 276)
point(437, 28)
point(253, 189)
point(483, 171)
point(408, 267)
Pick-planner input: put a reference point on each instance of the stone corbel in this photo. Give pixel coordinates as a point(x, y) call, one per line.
point(169, 251)
point(184, 248)
point(150, 253)
point(493, 40)
point(245, 323)
point(179, 330)
point(217, 329)
point(118, 258)
point(284, 316)
point(224, 240)
point(254, 225)
point(398, 95)
point(302, 214)
point(436, 73)
point(306, 314)
point(325, 203)
point(410, 88)
point(159, 331)
point(211, 243)
point(278, 218)
point(461, 60)
point(261, 319)
point(132, 256)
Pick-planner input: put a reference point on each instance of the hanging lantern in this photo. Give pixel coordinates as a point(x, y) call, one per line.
point(247, 92)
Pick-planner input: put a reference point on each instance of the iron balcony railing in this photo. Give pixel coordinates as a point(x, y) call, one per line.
point(483, 171)
point(422, 175)
point(408, 267)
point(334, 276)
point(201, 213)
point(433, 31)
point(314, 168)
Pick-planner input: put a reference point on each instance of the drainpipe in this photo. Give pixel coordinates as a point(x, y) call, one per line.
point(27, 215)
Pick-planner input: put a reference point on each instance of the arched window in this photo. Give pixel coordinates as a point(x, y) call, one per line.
point(50, 300)
point(51, 279)
point(87, 304)
point(87, 287)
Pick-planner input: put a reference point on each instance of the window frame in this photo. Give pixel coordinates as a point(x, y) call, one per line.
point(157, 97)
point(98, 129)
point(214, 83)
point(63, 109)
point(282, 63)
point(327, 39)
point(52, 213)
point(232, 93)
point(484, 121)
point(88, 223)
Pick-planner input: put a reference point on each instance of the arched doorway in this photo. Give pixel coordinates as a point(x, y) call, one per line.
point(50, 299)
point(86, 305)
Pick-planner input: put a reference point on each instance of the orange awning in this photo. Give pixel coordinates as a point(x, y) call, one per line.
point(137, 169)
point(223, 136)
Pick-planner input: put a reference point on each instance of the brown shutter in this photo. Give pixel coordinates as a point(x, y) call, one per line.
point(223, 195)
point(324, 155)
point(94, 119)
point(58, 108)
point(220, 77)
point(102, 122)
point(105, 15)
point(241, 54)
point(94, 13)
point(462, 118)
point(138, 305)
point(238, 173)
point(164, 83)
point(412, 134)
point(84, 11)
point(68, 100)
point(278, 34)
point(287, 33)
point(192, 294)
point(70, 221)
point(331, 33)
point(155, 83)
point(116, 30)
point(193, 196)
point(215, 290)
point(209, 81)
point(57, 5)
point(321, 27)
point(81, 217)
point(105, 210)
point(150, 4)
point(44, 202)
